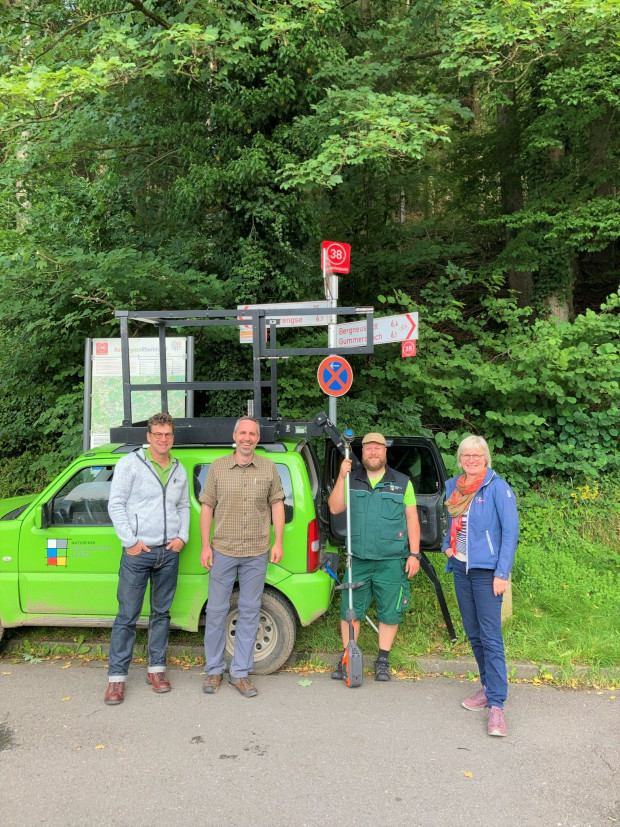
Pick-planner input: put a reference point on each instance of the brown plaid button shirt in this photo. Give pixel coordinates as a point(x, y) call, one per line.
point(241, 497)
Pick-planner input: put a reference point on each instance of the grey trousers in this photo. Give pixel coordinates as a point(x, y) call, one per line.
point(250, 571)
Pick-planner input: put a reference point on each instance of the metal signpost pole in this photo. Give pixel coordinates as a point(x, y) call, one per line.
point(330, 280)
point(88, 389)
point(189, 372)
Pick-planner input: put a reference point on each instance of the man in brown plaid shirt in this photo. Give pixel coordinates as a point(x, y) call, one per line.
point(244, 495)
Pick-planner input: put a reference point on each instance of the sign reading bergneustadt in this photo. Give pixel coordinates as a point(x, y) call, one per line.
point(386, 329)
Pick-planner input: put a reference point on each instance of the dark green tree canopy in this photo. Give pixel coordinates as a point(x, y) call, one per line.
point(170, 154)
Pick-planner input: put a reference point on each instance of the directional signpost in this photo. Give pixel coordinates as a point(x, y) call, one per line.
point(335, 376)
point(385, 330)
point(290, 320)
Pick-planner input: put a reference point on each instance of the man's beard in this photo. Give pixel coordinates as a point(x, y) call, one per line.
point(373, 463)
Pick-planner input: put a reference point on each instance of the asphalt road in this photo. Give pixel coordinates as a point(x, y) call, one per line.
point(317, 754)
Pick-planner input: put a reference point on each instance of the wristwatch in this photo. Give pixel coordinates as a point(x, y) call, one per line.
point(417, 556)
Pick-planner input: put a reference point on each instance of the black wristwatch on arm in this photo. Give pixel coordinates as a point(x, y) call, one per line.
point(417, 556)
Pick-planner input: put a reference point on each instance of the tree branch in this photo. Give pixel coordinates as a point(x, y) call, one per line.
point(139, 6)
point(525, 70)
point(57, 263)
point(74, 28)
point(95, 299)
point(45, 119)
point(165, 155)
point(424, 55)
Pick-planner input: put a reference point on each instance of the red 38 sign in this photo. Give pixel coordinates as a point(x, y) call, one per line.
point(336, 256)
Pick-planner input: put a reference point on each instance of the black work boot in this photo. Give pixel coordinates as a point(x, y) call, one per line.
point(382, 670)
point(338, 673)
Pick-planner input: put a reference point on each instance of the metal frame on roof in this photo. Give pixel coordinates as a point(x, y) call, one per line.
point(265, 349)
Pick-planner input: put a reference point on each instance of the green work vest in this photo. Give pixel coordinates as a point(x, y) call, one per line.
point(378, 523)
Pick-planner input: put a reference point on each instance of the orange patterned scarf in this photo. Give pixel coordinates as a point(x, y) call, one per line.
point(458, 504)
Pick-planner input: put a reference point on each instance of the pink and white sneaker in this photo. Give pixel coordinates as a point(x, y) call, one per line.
point(477, 702)
point(497, 724)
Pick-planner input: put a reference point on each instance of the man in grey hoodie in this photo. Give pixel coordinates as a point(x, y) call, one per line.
point(149, 507)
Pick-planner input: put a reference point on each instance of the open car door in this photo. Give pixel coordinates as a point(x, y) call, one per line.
point(419, 459)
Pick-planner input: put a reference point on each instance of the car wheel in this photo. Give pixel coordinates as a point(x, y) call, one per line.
point(277, 629)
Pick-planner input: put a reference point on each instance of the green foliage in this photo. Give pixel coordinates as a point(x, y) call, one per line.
point(545, 396)
point(195, 154)
point(368, 128)
point(566, 589)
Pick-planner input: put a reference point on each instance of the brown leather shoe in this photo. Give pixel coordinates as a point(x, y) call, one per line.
point(158, 681)
point(211, 684)
point(244, 686)
point(115, 693)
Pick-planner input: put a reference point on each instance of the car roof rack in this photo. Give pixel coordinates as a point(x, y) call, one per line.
point(218, 430)
point(265, 323)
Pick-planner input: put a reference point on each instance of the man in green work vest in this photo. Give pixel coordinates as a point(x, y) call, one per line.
point(149, 506)
point(385, 543)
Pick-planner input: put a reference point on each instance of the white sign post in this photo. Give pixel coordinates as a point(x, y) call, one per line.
point(330, 284)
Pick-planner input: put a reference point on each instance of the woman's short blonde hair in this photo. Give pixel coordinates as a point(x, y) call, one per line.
point(474, 441)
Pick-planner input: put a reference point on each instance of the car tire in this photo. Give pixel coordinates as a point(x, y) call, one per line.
point(277, 630)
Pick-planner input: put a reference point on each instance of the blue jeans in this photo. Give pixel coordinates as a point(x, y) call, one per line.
point(481, 611)
point(251, 573)
point(160, 568)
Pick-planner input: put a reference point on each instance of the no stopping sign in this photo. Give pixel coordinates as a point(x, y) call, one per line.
point(335, 376)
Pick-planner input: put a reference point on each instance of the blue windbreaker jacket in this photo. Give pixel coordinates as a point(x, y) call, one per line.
point(492, 526)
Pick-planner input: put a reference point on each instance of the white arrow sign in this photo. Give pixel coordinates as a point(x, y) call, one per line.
point(386, 329)
point(291, 320)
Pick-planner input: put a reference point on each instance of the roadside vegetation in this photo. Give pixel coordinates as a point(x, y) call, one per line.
point(195, 155)
point(566, 602)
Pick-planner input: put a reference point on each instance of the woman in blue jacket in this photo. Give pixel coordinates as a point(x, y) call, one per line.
point(481, 541)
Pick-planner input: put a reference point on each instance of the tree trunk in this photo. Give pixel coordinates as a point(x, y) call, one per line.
point(508, 131)
point(600, 139)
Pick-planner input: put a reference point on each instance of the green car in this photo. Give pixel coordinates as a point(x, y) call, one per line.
point(59, 554)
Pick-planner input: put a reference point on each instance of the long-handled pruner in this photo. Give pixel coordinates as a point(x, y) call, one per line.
point(352, 661)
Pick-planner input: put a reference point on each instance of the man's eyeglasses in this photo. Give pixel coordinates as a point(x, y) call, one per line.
point(159, 436)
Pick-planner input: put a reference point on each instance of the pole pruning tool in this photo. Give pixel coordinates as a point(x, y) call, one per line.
point(334, 576)
point(352, 662)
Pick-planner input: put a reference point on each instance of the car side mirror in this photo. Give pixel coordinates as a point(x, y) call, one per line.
point(43, 518)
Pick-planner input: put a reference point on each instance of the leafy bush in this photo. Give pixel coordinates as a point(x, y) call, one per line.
point(565, 578)
point(545, 395)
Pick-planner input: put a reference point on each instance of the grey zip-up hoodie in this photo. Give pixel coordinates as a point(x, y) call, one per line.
point(142, 508)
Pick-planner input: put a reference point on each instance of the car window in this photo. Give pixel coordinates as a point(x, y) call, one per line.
point(417, 463)
point(83, 500)
point(200, 477)
point(311, 468)
point(13, 515)
point(414, 461)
